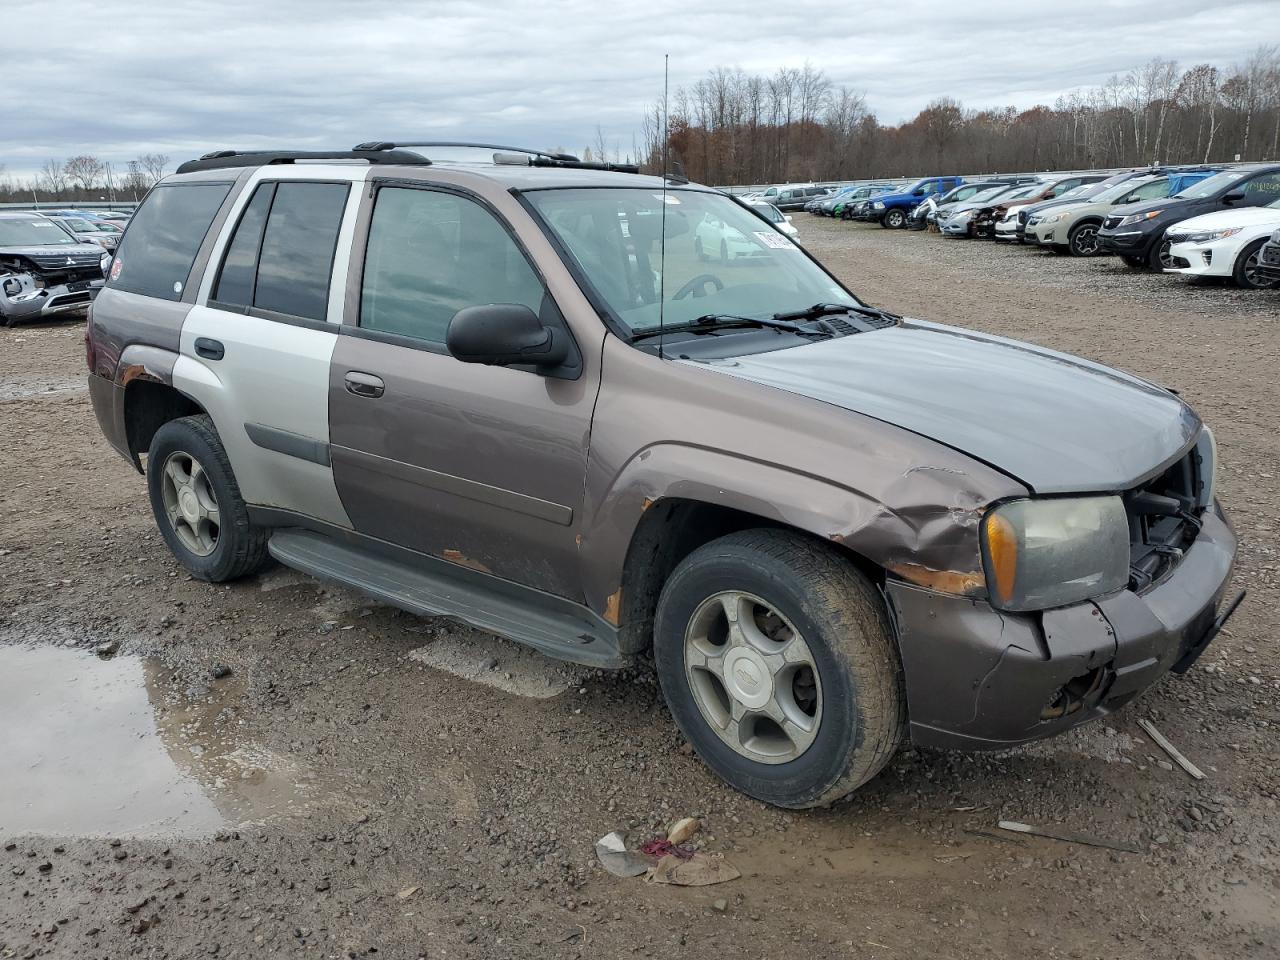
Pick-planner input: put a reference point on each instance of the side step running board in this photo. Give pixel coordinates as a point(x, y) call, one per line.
point(429, 586)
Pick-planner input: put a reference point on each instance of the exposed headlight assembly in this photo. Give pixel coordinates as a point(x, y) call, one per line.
point(1049, 553)
point(1139, 217)
point(1052, 218)
point(1207, 455)
point(877, 205)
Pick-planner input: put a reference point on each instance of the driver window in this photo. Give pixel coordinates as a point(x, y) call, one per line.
point(431, 254)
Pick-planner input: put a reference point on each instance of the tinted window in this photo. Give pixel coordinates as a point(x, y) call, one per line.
point(297, 249)
point(1149, 191)
point(431, 254)
point(163, 238)
point(240, 265)
point(1263, 188)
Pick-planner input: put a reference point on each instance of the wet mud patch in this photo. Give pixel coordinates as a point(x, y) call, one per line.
point(97, 746)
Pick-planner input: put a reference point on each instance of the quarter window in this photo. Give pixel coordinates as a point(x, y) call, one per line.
point(430, 254)
point(280, 258)
point(157, 252)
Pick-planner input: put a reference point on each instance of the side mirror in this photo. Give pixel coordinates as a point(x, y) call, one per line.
point(504, 334)
point(1234, 197)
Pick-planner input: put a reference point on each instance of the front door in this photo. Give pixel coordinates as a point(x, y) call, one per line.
point(481, 466)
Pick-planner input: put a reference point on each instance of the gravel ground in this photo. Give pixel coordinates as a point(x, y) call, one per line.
point(276, 767)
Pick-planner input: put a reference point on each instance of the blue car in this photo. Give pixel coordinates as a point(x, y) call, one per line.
point(892, 209)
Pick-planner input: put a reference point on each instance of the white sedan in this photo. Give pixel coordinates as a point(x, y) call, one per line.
point(713, 239)
point(1007, 227)
point(1224, 244)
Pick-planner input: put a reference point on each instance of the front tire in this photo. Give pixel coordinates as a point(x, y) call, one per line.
point(1137, 263)
point(197, 503)
point(1083, 240)
point(893, 219)
point(778, 664)
point(1245, 273)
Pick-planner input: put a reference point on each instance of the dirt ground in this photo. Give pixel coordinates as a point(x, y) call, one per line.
point(275, 767)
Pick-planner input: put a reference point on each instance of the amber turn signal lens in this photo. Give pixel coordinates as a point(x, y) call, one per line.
point(1002, 549)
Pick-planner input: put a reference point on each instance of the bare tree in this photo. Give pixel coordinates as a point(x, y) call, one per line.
point(84, 170)
point(153, 165)
point(52, 177)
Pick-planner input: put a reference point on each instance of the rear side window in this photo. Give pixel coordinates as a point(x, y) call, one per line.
point(163, 238)
point(280, 257)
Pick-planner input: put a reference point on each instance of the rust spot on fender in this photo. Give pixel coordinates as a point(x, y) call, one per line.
point(960, 582)
point(137, 371)
point(648, 502)
point(613, 607)
point(455, 556)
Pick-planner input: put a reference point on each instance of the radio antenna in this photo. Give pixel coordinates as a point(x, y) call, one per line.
point(662, 223)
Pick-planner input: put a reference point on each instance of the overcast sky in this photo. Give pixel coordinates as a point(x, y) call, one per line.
point(183, 77)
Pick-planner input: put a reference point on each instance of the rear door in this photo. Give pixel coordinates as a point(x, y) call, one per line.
point(482, 466)
point(257, 346)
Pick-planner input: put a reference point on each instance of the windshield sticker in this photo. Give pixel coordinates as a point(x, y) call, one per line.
point(43, 224)
point(775, 240)
point(668, 198)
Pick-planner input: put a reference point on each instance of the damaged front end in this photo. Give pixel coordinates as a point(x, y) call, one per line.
point(37, 286)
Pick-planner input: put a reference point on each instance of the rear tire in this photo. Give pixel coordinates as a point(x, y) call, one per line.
point(197, 503)
point(1245, 274)
point(840, 722)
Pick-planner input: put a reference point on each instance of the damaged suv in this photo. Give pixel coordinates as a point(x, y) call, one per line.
point(511, 392)
point(44, 270)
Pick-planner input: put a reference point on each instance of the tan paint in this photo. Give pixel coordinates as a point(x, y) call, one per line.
point(454, 556)
point(959, 582)
point(613, 607)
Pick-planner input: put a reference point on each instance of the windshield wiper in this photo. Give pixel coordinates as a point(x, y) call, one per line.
point(827, 309)
point(722, 321)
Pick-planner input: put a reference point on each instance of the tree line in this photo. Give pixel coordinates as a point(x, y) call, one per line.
point(733, 127)
point(85, 177)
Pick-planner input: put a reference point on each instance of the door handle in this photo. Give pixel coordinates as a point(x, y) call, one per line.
point(364, 384)
point(210, 349)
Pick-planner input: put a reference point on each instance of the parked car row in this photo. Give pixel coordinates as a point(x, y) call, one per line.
point(1194, 220)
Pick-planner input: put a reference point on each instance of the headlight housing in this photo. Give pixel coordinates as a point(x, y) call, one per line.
point(1208, 236)
point(1207, 453)
point(1052, 218)
point(1049, 553)
point(878, 205)
point(1139, 217)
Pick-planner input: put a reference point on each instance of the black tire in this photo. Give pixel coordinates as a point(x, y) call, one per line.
point(1138, 263)
point(1082, 241)
point(1158, 255)
point(843, 621)
point(893, 219)
point(241, 546)
point(1245, 271)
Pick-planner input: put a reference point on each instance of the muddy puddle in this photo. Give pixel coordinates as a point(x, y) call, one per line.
point(27, 388)
point(117, 747)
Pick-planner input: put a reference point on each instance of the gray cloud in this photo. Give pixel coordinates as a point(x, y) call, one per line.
point(186, 76)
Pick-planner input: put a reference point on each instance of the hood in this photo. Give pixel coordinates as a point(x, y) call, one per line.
point(1057, 423)
point(1232, 217)
point(55, 258)
point(1165, 203)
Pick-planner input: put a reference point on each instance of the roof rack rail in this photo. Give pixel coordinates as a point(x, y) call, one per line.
point(221, 159)
point(388, 145)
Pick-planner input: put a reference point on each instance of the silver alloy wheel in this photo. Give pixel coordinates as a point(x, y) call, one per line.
point(1164, 257)
point(753, 677)
point(1086, 240)
point(189, 503)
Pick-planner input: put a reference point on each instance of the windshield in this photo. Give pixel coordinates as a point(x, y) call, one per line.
point(32, 233)
point(1118, 190)
point(989, 193)
point(1087, 191)
point(1024, 191)
point(1207, 188)
point(720, 258)
point(769, 212)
